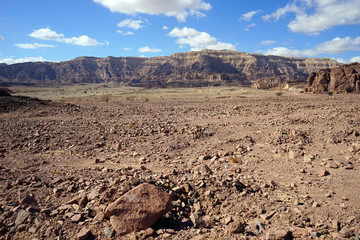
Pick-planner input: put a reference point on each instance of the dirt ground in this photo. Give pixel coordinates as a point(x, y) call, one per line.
point(240, 167)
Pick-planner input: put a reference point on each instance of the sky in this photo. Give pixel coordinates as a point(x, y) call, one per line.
point(61, 30)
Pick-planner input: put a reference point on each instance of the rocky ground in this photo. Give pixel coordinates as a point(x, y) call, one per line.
point(246, 167)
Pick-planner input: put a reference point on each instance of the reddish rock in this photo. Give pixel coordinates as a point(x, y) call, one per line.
point(345, 78)
point(83, 234)
point(138, 209)
point(28, 202)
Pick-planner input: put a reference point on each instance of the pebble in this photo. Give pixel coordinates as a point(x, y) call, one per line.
point(21, 217)
point(323, 173)
point(83, 234)
point(109, 233)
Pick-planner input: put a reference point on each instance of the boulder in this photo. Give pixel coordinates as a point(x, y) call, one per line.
point(345, 78)
point(138, 209)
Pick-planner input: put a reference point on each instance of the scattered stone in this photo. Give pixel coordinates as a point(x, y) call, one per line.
point(236, 227)
point(21, 217)
point(76, 218)
point(99, 217)
point(148, 232)
point(279, 234)
point(109, 233)
point(138, 209)
point(197, 220)
point(83, 234)
point(347, 232)
point(204, 157)
point(323, 173)
point(28, 202)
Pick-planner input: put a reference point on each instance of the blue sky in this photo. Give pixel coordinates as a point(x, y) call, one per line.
point(60, 30)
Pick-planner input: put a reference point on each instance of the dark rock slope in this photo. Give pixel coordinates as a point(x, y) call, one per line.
point(203, 68)
point(345, 78)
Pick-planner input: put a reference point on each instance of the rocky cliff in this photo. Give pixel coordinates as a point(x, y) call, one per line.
point(203, 68)
point(345, 78)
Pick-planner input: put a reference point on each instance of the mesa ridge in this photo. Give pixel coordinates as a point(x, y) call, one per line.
point(189, 69)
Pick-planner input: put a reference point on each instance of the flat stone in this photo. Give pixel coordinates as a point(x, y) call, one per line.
point(236, 227)
point(76, 218)
point(21, 217)
point(83, 234)
point(138, 209)
point(109, 233)
point(99, 217)
point(279, 234)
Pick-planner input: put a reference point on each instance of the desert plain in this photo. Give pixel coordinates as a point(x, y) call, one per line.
point(240, 163)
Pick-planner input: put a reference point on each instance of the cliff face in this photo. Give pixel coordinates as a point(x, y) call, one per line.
point(345, 78)
point(203, 68)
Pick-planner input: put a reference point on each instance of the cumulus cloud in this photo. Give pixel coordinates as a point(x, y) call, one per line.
point(149, 50)
point(128, 33)
point(1, 38)
point(50, 35)
point(315, 16)
point(165, 27)
point(267, 42)
point(248, 16)
point(12, 60)
point(131, 23)
point(334, 46)
point(127, 49)
point(33, 45)
point(180, 9)
point(198, 40)
point(355, 59)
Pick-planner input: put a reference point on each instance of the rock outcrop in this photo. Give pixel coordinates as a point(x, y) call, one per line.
point(345, 78)
point(190, 69)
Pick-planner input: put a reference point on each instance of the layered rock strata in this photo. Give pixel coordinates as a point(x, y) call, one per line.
point(190, 69)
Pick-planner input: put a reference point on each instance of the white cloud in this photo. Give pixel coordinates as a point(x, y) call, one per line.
point(165, 27)
point(127, 49)
point(128, 33)
point(198, 40)
point(314, 16)
point(355, 59)
point(33, 45)
point(180, 9)
point(347, 61)
point(1, 38)
point(48, 34)
point(12, 60)
point(251, 25)
point(334, 46)
point(131, 23)
point(268, 42)
point(248, 16)
point(148, 49)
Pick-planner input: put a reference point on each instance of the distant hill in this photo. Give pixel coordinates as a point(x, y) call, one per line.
point(190, 69)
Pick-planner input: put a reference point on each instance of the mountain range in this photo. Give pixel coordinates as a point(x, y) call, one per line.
point(189, 69)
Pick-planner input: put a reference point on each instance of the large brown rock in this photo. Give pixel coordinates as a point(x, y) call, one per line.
point(138, 209)
point(345, 78)
point(189, 69)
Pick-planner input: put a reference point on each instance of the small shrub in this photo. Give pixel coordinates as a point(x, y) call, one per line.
point(330, 93)
point(130, 98)
point(279, 94)
point(106, 98)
